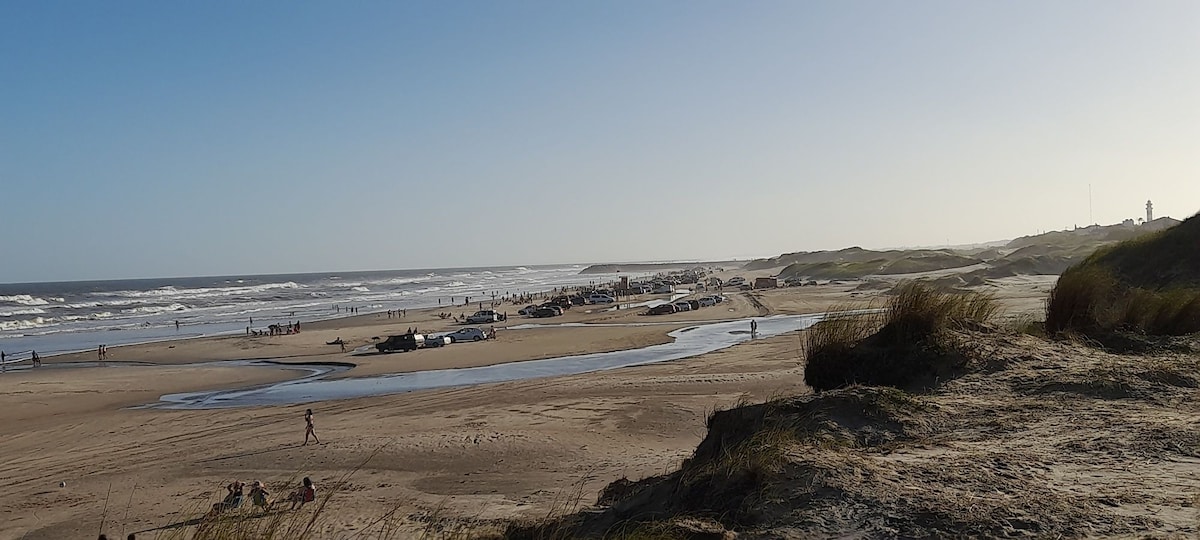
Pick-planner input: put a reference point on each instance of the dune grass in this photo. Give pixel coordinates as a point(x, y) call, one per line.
point(904, 345)
point(1090, 301)
point(1122, 294)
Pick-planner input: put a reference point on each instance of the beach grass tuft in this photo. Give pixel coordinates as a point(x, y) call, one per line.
point(907, 343)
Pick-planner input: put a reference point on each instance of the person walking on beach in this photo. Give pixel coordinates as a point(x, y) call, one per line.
point(753, 327)
point(308, 426)
point(37, 360)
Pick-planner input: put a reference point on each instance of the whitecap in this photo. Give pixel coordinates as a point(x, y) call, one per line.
point(23, 324)
point(24, 300)
point(155, 309)
point(15, 312)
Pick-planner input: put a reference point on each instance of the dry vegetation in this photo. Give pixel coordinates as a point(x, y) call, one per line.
point(908, 344)
point(1137, 289)
point(1035, 439)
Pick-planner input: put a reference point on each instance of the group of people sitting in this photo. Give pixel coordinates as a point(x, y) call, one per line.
point(261, 498)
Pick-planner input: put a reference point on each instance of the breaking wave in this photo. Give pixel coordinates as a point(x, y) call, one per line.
point(24, 300)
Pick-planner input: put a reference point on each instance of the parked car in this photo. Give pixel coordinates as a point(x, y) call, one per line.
point(432, 342)
point(547, 311)
point(597, 298)
point(561, 301)
point(403, 342)
point(483, 316)
point(558, 310)
point(694, 303)
point(719, 298)
point(528, 310)
point(664, 289)
point(683, 305)
point(466, 334)
point(661, 309)
point(707, 301)
point(578, 300)
point(735, 281)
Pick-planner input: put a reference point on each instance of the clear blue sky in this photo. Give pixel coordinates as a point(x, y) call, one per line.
point(196, 138)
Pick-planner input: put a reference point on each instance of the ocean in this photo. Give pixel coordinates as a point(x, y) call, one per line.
point(54, 318)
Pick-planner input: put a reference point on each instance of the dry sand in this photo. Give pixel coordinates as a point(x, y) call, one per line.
point(494, 451)
point(498, 450)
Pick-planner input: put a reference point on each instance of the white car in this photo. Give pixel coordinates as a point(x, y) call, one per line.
point(708, 301)
point(683, 305)
point(466, 334)
point(735, 281)
point(600, 299)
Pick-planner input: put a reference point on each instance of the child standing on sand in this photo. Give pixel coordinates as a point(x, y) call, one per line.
point(308, 428)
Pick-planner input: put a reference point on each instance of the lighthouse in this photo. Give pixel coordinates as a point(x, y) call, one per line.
point(1149, 211)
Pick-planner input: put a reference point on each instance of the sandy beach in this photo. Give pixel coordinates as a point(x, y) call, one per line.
point(505, 448)
point(515, 449)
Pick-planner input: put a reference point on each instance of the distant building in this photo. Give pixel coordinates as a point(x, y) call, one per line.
point(1149, 211)
point(1127, 223)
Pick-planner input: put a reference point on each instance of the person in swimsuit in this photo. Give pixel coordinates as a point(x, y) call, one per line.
point(308, 428)
point(307, 493)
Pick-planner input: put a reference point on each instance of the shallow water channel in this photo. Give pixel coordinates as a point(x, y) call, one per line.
point(690, 341)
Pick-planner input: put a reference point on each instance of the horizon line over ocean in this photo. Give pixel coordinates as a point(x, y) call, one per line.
point(581, 265)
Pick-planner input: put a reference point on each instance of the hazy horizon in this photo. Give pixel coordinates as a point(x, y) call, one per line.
point(557, 264)
point(143, 139)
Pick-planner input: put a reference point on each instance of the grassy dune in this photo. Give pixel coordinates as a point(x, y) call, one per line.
point(1149, 286)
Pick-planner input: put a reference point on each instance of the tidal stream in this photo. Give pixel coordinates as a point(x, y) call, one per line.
point(689, 342)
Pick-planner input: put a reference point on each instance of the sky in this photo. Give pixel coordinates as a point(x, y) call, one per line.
point(154, 139)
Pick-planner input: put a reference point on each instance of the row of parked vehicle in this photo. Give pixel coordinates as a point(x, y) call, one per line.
point(412, 342)
point(686, 305)
point(559, 304)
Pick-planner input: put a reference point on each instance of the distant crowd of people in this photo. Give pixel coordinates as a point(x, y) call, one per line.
point(275, 329)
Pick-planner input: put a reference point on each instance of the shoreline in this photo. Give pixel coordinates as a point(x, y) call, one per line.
point(348, 320)
point(57, 319)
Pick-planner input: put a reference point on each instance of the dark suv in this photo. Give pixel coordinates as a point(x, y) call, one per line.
point(661, 309)
point(404, 342)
